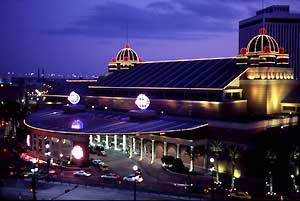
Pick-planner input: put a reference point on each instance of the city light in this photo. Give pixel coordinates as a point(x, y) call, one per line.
point(77, 152)
point(142, 101)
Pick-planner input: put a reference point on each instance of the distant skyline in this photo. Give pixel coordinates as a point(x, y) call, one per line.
point(81, 37)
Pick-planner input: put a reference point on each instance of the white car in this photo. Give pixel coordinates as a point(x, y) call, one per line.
point(113, 176)
point(97, 162)
point(132, 177)
point(82, 173)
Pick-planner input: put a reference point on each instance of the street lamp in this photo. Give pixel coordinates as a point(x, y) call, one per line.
point(48, 154)
point(135, 168)
point(212, 168)
point(34, 170)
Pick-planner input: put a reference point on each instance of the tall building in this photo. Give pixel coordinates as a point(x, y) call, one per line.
point(279, 23)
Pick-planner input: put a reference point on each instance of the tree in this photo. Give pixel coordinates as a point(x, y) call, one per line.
point(194, 153)
point(233, 154)
point(271, 156)
point(216, 148)
point(295, 157)
point(294, 163)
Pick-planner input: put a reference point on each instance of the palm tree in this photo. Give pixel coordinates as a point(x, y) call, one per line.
point(295, 162)
point(233, 154)
point(271, 157)
point(216, 148)
point(194, 153)
point(295, 157)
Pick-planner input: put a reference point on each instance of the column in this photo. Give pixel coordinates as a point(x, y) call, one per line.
point(141, 149)
point(205, 157)
point(106, 142)
point(178, 151)
point(192, 159)
point(133, 146)
point(91, 140)
point(152, 152)
point(36, 145)
point(130, 147)
point(59, 146)
point(98, 139)
point(165, 148)
point(115, 142)
point(43, 146)
point(124, 143)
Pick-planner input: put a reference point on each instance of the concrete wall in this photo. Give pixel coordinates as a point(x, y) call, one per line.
point(265, 96)
point(175, 107)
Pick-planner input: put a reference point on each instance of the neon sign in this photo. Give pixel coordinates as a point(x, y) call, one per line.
point(142, 101)
point(77, 152)
point(74, 98)
point(77, 124)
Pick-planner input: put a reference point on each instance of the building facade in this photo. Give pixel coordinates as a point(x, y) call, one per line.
point(190, 104)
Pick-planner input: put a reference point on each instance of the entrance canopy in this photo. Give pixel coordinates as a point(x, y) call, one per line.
point(106, 122)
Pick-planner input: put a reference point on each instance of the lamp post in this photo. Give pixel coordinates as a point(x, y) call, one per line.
point(212, 160)
point(34, 170)
point(134, 168)
point(48, 154)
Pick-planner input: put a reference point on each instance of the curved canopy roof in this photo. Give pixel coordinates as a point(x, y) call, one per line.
point(104, 122)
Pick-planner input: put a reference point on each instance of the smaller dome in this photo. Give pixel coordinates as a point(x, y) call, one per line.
point(262, 43)
point(127, 54)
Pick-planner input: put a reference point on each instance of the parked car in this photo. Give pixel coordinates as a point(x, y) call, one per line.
point(103, 167)
point(82, 173)
point(133, 177)
point(240, 195)
point(112, 176)
point(102, 153)
point(97, 161)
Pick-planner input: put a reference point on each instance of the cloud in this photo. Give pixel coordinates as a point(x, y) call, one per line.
point(109, 20)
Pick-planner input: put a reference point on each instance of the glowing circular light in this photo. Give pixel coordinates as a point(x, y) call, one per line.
point(77, 152)
point(77, 124)
point(74, 98)
point(142, 101)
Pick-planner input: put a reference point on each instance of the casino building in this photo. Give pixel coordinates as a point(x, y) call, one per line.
point(191, 103)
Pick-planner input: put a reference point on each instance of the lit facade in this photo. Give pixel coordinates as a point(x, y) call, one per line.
point(259, 81)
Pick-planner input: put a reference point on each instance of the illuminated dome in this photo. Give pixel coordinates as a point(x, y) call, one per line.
point(262, 43)
point(125, 59)
point(127, 54)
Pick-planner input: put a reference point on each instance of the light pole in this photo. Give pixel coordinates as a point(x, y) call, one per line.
point(34, 170)
point(134, 168)
point(212, 160)
point(48, 154)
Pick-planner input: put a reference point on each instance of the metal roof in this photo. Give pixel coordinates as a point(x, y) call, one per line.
point(202, 73)
point(105, 122)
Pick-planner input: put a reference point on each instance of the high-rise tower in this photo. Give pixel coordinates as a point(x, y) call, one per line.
point(279, 23)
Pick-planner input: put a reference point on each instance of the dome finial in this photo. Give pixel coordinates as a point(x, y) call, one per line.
point(127, 45)
point(262, 31)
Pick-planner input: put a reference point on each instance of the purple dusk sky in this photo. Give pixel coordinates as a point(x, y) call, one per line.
point(82, 36)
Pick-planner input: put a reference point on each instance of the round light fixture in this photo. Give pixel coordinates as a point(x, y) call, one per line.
point(74, 98)
point(142, 101)
point(77, 152)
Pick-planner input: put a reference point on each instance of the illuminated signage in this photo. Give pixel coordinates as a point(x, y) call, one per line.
point(142, 101)
point(77, 152)
point(74, 98)
point(77, 124)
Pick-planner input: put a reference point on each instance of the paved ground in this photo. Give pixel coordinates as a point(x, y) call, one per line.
point(18, 189)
